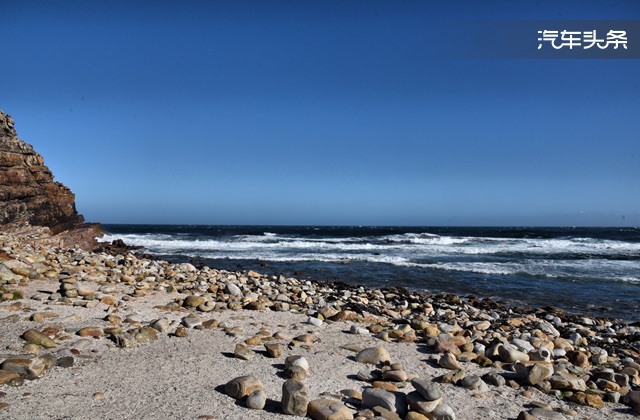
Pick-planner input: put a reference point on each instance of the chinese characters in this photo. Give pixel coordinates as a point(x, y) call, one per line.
point(584, 39)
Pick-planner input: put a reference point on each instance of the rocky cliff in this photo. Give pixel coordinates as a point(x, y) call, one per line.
point(28, 193)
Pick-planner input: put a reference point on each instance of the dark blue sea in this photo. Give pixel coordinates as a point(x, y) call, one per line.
point(593, 271)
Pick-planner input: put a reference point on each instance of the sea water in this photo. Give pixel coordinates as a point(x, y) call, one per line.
point(594, 271)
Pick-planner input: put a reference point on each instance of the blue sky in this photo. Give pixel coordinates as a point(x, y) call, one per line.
point(321, 112)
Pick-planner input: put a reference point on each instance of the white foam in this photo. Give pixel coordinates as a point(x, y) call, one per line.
point(484, 255)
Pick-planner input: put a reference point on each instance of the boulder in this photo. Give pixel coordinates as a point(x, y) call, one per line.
point(30, 195)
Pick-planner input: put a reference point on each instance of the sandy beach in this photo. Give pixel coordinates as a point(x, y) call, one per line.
point(110, 356)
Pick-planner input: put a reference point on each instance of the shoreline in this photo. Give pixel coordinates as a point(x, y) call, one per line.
point(121, 299)
point(501, 303)
point(585, 272)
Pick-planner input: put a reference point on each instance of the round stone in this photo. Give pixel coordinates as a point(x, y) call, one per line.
point(257, 400)
point(430, 391)
point(295, 372)
point(297, 361)
point(373, 355)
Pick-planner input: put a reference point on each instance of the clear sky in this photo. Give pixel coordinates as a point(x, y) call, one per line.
point(321, 112)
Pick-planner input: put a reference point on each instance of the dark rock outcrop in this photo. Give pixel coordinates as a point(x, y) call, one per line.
point(28, 193)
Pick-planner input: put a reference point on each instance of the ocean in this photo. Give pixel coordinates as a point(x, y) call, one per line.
point(591, 271)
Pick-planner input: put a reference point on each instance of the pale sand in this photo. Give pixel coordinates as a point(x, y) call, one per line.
point(182, 378)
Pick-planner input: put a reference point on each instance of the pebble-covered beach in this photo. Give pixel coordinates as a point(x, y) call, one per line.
point(116, 335)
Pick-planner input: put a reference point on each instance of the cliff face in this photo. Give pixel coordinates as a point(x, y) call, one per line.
point(28, 192)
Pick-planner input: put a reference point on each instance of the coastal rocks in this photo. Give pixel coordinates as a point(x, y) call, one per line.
point(464, 331)
point(29, 194)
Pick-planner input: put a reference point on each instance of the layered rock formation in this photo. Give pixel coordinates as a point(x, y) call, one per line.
point(28, 193)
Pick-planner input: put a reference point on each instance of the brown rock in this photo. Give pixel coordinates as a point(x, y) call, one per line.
point(109, 300)
point(242, 386)
point(449, 361)
point(256, 306)
point(578, 358)
point(590, 400)
point(146, 334)
point(6, 376)
point(274, 350)
point(395, 375)
point(305, 338)
point(193, 301)
point(524, 415)
point(36, 337)
point(28, 366)
point(446, 346)
point(431, 330)
point(295, 372)
point(91, 332)
point(253, 341)
point(181, 332)
point(243, 352)
point(386, 413)
point(324, 409)
point(210, 324)
point(384, 385)
point(453, 377)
